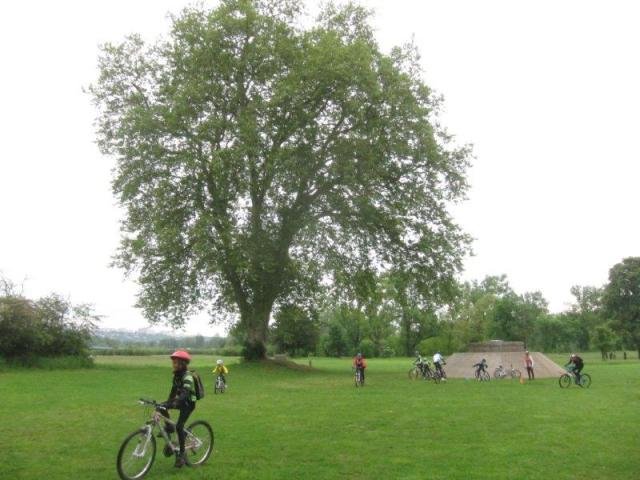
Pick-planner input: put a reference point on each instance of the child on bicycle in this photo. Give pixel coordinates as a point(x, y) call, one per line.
point(422, 363)
point(576, 364)
point(221, 370)
point(481, 367)
point(360, 363)
point(438, 362)
point(182, 397)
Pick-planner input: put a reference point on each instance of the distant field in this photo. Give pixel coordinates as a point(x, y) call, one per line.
point(278, 423)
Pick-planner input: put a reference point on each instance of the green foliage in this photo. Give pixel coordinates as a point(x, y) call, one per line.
point(622, 300)
point(48, 327)
point(388, 352)
point(256, 157)
point(295, 330)
point(431, 345)
point(604, 339)
point(367, 348)
point(334, 343)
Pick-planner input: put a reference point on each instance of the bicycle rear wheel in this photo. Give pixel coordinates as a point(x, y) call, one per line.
point(485, 376)
point(198, 444)
point(136, 455)
point(565, 380)
point(516, 373)
point(585, 380)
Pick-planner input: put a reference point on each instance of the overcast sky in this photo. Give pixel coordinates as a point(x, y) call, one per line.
point(547, 91)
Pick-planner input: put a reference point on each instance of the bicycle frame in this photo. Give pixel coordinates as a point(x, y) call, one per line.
point(150, 426)
point(156, 421)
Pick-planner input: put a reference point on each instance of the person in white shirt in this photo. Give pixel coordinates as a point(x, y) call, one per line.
point(528, 362)
point(438, 361)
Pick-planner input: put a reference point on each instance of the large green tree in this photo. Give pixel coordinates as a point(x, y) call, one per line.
point(256, 158)
point(622, 300)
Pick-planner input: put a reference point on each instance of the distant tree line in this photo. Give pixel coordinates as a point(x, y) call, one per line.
point(387, 319)
point(115, 340)
point(382, 316)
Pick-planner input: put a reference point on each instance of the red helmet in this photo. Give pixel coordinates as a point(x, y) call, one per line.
point(182, 355)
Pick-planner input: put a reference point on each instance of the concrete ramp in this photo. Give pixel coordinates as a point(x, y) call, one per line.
point(460, 365)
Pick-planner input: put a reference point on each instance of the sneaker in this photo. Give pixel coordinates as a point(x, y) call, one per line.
point(180, 461)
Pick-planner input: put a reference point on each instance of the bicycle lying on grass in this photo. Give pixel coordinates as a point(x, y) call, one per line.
point(502, 372)
point(220, 385)
point(138, 451)
point(566, 379)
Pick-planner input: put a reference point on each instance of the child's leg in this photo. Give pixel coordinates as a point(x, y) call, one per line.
point(167, 426)
point(185, 411)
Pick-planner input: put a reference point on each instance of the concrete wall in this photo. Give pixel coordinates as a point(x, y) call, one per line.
point(460, 365)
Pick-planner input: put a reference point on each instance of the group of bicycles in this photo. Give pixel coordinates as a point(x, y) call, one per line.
point(425, 372)
point(498, 374)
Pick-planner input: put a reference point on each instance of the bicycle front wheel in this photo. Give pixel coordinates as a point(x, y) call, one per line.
point(516, 373)
point(565, 380)
point(136, 455)
point(585, 380)
point(198, 444)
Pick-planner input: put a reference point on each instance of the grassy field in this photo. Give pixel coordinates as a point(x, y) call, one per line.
point(279, 423)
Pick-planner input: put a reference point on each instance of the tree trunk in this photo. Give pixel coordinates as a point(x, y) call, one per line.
point(256, 324)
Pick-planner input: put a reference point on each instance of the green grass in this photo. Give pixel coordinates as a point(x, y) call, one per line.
point(278, 423)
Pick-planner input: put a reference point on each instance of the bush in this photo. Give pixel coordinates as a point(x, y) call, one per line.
point(45, 328)
point(367, 348)
point(388, 352)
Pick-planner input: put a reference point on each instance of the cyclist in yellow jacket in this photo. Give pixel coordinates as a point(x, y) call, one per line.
point(221, 370)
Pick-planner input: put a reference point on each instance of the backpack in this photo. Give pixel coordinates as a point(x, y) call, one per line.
point(198, 385)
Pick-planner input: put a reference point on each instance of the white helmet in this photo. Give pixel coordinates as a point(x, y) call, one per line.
point(219, 362)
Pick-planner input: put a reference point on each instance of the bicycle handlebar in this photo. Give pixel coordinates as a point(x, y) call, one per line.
point(153, 403)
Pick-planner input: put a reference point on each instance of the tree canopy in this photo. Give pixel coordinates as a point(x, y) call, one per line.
point(258, 160)
point(622, 299)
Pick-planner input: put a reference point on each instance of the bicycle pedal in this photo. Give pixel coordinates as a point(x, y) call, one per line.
point(168, 450)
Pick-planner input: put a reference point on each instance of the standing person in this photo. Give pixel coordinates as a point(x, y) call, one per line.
point(528, 362)
point(182, 397)
point(438, 362)
point(360, 363)
point(480, 367)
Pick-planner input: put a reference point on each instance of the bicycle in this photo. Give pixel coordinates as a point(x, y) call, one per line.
point(358, 378)
point(502, 372)
point(482, 375)
point(220, 385)
point(566, 379)
point(438, 375)
point(418, 371)
point(138, 450)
